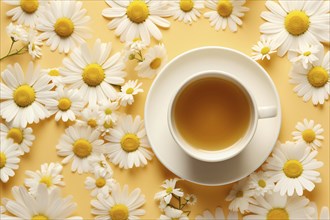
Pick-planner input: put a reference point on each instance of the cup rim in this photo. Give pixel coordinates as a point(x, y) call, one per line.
point(223, 154)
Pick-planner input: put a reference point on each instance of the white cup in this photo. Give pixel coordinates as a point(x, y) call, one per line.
point(257, 112)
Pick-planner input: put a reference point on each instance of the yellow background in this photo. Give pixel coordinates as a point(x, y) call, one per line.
point(178, 38)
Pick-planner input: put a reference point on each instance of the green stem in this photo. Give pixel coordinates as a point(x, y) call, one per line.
point(188, 212)
point(141, 56)
point(184, 204)
point(11, 46)
point(18, 52)
point(138, 59)
point(170, 205)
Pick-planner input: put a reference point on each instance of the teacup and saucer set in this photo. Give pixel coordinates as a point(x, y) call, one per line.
point(247, 99)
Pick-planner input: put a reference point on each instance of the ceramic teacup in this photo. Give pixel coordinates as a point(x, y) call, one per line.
point(255, 113)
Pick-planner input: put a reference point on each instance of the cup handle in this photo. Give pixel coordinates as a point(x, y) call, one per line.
point(267, 112)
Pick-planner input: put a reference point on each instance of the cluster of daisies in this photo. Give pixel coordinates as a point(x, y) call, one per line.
point(274, 192)
point(41, 199)
point(298, 29)
point(64, 24)
point(90, 91)
point(173, 201)
point(27, 38)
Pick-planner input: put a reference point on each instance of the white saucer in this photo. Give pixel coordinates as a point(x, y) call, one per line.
point(160, 93)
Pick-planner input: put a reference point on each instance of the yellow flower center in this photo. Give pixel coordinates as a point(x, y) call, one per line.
point(137, 11)
point(64, 27)
point(16, 134)
point(24, 95)
point(100, 182)
point(307, 53)
point(119, 212)
point(46, 180)
point(277, 213)
point(93, 74)
point(107, 125)
point(108, 111)
point(129, 91)
point(54, 72)
point(169, 190)
point(308, 135)
point(293, 168)
point(82, 148)
point(296, 22)
point(92, 123)
point(262, 183)
point(130, 142)
point(39, 217)
point(225, 8)
point(29, 6)
point(64, 104)
point(186, 5)
point(239, 194)
point(155, 64)
point(3, 159)
point(265, 50)
point(318, 76)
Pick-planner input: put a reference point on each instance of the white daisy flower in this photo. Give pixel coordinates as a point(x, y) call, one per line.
point(24, 95)
point(128, 143)
point(293, 167)
point(309, 133)
point(225, 12)
point(79, 143)
point(89, 116)
point(305, 54)
point(219, 214)
point(260, 184)
point(275, 206)
point(55, 76)
point(93, 72)
point(49, 174)
point(136, 45)
point(98, 163)
point(108, 111)
point(104, 127)
point(186, 10)
point(119, 205)
point(44, 205)
point(264, 48)
point(34, 44)
point(128, 91)
point(153, 62)
point(170, 190)
point(66, 105)
point(191, 199)
point(6, 217)
point(101, 184)
point(2, 209)
point(293, 23)
point(324, 212)
point(64, 25)
point(26, 12)
point(314, 82)
point(240, 196)
point(17, 32)
point(9, 159)
point(137, 19)
point(172, 213)
point(133, 49)
point(162, 205)
point(23, 137)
